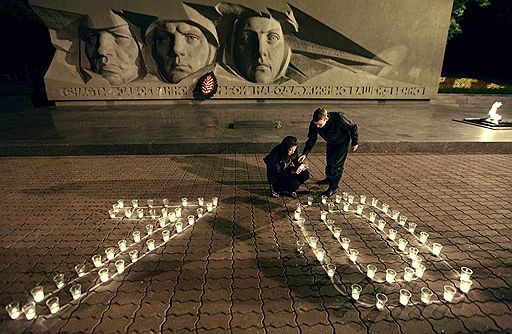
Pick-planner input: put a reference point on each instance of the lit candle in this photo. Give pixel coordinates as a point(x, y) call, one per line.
point(345, 195)
point(184, 202)
point(350, 199)
point(140, 213)
point(412, 227)
point(359, 209)
point(402, 220)
point(37, 293)
point(449, 293)
point(416, 262)
point(323, 215)
point(324, 199)
point(405, 295)
point(14, 310)
point(402, 243)
point(381, 301)
point(465, 285)
point(300, 246)
point(103, 275)
point(312, 242)
point(381, 224)
point(338, 199)
point(320, 254)
point(120, 266)
point(112, 213)
point(135, 203)
point(165, 202)
point(136, 236)
point(120, 203)
point(30, 310)
point(151, 244)
point(177, 212)
point(331, 270)
point(166, 235)
point(426, 294)
point(134, 255)
point(76, 291)
point(413, 252)
point(385, 208)
point(122, 245)
point(465, 273)
point(420, 270)
point(392, 234)
point(362, 199)
point(162, 222)
point(408, 274)
point(374, 202)
point(436, 248)
point(423, 237)
point(330, 207)
point(191, 219)
point(209, 207)
point(395, 214)
point(353, 255)
point(329, 223)
point(215, 201)
point(345, 242)
point(370, 271)
point(346, 205)
point(200, 201)
point(179, 227)
point(373, 215)
point(310, 200)
point(150, 203)
point(59, 281)
point(96, 260)
point(390, 275)
point(337, 232)
point(296, 215)
point(356, 291)
point(80, 270)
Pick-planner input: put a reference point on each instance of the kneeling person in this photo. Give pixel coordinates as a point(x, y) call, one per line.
point(284, 173)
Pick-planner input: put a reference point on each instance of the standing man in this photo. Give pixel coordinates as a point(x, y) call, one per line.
point(338, 132)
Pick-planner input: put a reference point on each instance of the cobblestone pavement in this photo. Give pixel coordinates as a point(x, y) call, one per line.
point(237, 268)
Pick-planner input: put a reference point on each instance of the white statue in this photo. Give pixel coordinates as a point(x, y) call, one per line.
point(494, 117)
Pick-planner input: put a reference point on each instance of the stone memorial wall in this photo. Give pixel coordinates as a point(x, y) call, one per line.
point(121, 51)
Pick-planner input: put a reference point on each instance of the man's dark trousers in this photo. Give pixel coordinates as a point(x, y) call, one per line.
point(336, 156)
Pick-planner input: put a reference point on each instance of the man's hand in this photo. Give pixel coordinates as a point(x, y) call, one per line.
point(354, 148)
point(301, 158)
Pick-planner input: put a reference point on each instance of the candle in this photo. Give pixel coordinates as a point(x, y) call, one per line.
point(30, 310)
point(209, 207)
point(329, 223)
point(150, 203)
point(136, 236)
point(465, 285)
point(370, 271)
point(405, 295)
point(413, 252)
point(151, 244)
point(14, 310)
point(296, 215)
point(191, 219)
point(423, 237)
point(103, 272)
point(338, 198)
point(177, 212)
point(345, 195)
point(135, 203)
point(80, 270)
point(395, 214)
point(184, 202)
point(120, 203)
point(359, 209)
point(346, 205)
point(362, 199)
point(324, 199)
point(353, 255)
point(37, 293)
point(179, 227)
point(426, 294)
point(392, 234)
point(165, 202)
point(373, 215)
point(436, 248)
point(323, 215)
point(320, 254)
point(310, 200)
point(128, 213)
point(152, 213)
point(356, 291)
point(381, 224)
point(59, 281)
point(402, 243)
point(312, 242)
point(166, 235)
point(112, 213)
point(110, 252)
point(134, 255)
point(402, 220)
point(465, 273)
point(215, 201)
point(96, 260)
point(331, 270)
point(162, 222)
point(140, 213)
point(76, 291)
point(345, 242)
point(408, 274)
point(420, 270)
point(374, 201)
point(149, 229)
point(449, 293)
point(390, 275)
point(412, 227)
point(200, 201)
point(350, 199)
point(337, 232)
point(122, 245)
point(381, 301)
point(120, 266)
point(330, 207)
point(385, 208)
point(300, 247)
point(416, 262)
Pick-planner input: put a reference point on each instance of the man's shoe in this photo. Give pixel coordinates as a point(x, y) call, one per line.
point(329, 192)
point(324, 181)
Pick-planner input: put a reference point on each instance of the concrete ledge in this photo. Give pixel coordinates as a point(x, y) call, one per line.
point(243, 148)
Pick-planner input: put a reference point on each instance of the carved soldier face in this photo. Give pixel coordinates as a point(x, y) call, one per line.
point(113, 53)
point(259, 49)
point(180, 49)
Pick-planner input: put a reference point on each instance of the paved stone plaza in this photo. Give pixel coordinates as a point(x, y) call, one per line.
point(237, 269)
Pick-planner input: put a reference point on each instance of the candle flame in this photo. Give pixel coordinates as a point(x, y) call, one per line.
point(494, 117)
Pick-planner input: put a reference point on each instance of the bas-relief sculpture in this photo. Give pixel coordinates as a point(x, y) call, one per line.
point(121, 50)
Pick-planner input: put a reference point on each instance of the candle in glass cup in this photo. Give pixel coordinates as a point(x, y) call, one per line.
point(80, 270)
point(423, 237)
point(362, 199)
point(162, 222)
point(373, 215)
point(119, 266)
point(112, 213)
point(184, 202)
point(402, 220)
point(465, 273)
point(359, 209)
point(392, 234)
point(135, 203)
point(152, 213)
point(310, 200)
point(179, 227)
point(381, 301)
point(323, 215)
point(353, 253)
point(76, 291)
point(200, 201)
point(30, 310)
point(209, 207)
point(165, 202)
point(96, 260)
point(465, 285)
point(120, 203)
point(385, 208)
point(296, 215)
point(420, 270)
point(300, 247)
point(395, 214)
point(122, 245)
point(150, 203)
point(426, 294)
point(390, 275)
point(53, 304)
point(345, 242)
point(164, 212)
point(408, 274)
point(381, 224)
point(177, 212)
point(140, 213)
point(416, 262)
point(370, 271)
point(338, 198)
point(330, 207)
point(405, 295)
point(320, 254)
point(346, 206)
point(128, 213)
point(412, 227)
point(356, 291)
point(136, 236)
point(149, 229)
point(436, 248)
point(324, 199)
point(345, 195)
point(110, 253)
point(200, 212)
point(402, 243)
point(151, 244)
point(172, 217)
point(350, 199)
point(374, 201)
point(59, 281)
point(103, 273)
point(449, 293)
point(331, 270)
point(37, 293)
point(191, 219)
point(413, 252)
point(13, 309)
point(337, 232)
point(134, 255)
point(166, 234)
point(215, 201)
point(312, 242)
point(329, 223)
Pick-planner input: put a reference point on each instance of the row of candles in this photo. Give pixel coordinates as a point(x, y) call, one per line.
point(38, 295)
point(417, 269)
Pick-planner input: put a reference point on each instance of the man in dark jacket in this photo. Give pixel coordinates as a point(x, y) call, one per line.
point(284, 173)
point(338, 132)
